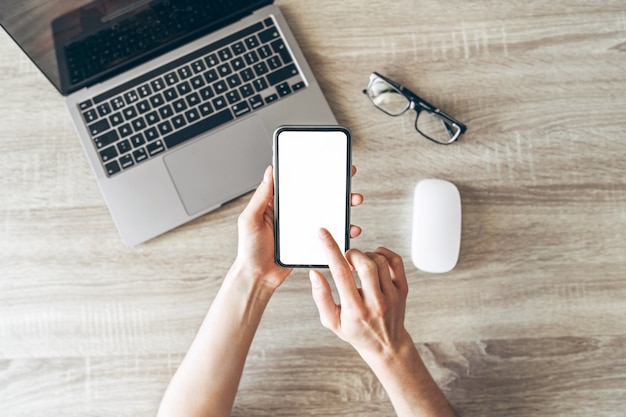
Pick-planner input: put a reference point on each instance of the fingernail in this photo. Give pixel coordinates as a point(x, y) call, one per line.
point(315, 280)
point(323, 233)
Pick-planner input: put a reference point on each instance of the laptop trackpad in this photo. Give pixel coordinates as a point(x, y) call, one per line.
point(222, 166)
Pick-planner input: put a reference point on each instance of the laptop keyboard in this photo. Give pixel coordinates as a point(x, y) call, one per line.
point(168, 106)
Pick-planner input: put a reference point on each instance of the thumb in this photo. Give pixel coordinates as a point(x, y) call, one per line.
point(261, 197)
point(323, 298)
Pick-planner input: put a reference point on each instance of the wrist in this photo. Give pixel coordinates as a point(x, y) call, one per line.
point(410, 386)
point(396, 354)
point(250, 281)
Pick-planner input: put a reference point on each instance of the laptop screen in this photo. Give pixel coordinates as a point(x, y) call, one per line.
point(77, 43)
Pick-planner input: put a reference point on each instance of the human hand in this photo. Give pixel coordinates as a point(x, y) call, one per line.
point(370, 318)
point(255, 252)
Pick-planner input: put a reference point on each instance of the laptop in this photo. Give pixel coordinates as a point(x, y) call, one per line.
point(174, 101)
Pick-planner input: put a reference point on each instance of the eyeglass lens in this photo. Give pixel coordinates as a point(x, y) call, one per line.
point(387, 98)
point(435, 127)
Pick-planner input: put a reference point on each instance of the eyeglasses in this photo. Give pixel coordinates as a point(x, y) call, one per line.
point(394, 99)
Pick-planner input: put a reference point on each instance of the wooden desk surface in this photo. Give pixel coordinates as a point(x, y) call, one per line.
point(530, 323)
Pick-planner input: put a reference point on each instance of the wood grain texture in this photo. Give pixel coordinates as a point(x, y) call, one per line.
point(529, 323)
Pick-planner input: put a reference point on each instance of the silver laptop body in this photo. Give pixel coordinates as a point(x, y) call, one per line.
point(153, 186)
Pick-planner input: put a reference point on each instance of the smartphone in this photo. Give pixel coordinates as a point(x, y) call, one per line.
point(312, 174)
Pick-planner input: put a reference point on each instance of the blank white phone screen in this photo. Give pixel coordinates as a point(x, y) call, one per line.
point(312, 177)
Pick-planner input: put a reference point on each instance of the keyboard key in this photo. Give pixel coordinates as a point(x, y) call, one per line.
point(139, 124)
point(104, 109)
point(237, 64)
point(197, 82)
point(184, 72)
point(85, 105)
point(246, 90)
point(156, 100)
point(192, 115)
point(252, 42)
point(171, 78)
point(108, 154)
point(241, 108)
point(298, 86)
point(124, 146)
point(165, 128)
point(127, 161)
point(98, 127)
point(206, 93)
point(274, 62)
point(256, 101)
point(224, 69)
point(157, 85)
point(247, 74)
point(117, 103)
point(260, 84)
point(271, 98)
point(129, 113)
point(238, 48)
point(170, 94)
point(125, 130)
point(220, 87)
point(224, 54)
point(282, 74)
point(106, 139)
point(155, 148)
point(211, 76)
point(205, 109)
point(211, 60)
point(178, 121)
point(131, 97)
point(151, 134)
point(137, 140)
point(265, 51)
point(140, 155)
point(143, 106)
point(233, 81)
point(193, 99)
point(166, 112)
point(260, 69)
point(268, 35)
point(279, 47)
point(179, 105)
point(219, 103)
point(152, 117)
point(283, 89)
point(197, 128)
point(183, 88)
point(144, 91)
point(268, 22)
point(90, 116)
point(112, 168)
point(233, 96)
point(251, 58)
point(198, 66)
point(116, 119)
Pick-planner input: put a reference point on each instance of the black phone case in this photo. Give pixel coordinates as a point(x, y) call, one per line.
point(277, 187)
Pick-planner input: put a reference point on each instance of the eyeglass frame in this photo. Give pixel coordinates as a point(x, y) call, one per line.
point(413, 102)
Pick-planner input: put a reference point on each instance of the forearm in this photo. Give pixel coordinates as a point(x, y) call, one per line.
point(206, 382)
point(409, 385)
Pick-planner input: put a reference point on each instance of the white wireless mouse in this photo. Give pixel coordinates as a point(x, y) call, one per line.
point(436, 240)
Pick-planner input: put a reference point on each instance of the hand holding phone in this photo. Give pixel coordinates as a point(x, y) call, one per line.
point(312, 171)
